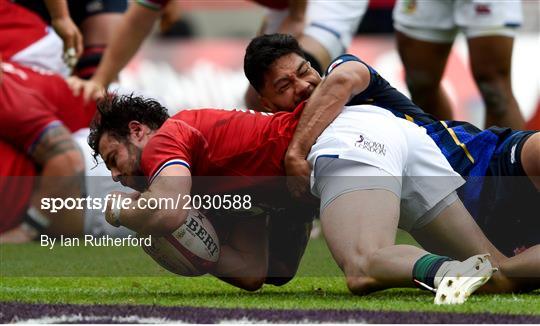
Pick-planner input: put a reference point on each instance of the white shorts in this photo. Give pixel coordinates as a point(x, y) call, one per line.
point(441, 20)
point(45, 54)
point(98, 183)
point(332, 23)
point(334, 179)
point(400, 149)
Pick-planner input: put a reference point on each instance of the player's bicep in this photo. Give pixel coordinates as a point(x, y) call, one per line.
point(355, 75)
point(171, 181)
point(170, 189)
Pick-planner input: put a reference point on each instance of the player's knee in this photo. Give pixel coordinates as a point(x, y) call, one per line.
point(494, 85)
point(491, 74)
point(360, 285)
point(421, 83)
point(496, 96)
point(280, 274)
point(251, 284)
point(357, 274)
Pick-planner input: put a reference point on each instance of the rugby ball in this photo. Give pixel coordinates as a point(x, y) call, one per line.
point(191, 250)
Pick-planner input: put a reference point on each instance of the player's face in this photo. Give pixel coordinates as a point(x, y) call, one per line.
point(123, 160)
point(288, 82)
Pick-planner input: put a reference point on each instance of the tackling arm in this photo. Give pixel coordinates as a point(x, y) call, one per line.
point(324, 105)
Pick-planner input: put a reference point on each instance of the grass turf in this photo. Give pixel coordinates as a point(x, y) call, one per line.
point(30, 273)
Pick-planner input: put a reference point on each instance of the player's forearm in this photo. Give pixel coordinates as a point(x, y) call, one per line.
point(57, 8)
point(297, 9)
point(136, 24)
point(159, 210)
point(141, 219)
point(325, 104)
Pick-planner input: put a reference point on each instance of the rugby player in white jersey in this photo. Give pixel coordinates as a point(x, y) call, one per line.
point(426, 30)
point(275, 66)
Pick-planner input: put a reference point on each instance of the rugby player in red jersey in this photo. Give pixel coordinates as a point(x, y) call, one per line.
point(37, 115)
point(18, 178)
point(133, 29)
point(97, 21)
point(16, 184)
point(28, 40)
point(158, 156)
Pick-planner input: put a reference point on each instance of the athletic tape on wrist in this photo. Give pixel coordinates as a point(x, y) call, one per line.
point(115, 213)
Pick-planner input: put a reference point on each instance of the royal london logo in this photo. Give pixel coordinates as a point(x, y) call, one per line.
point(371, 146)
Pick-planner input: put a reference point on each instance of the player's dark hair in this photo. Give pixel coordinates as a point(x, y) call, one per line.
point(114, 112)
point(263, 51)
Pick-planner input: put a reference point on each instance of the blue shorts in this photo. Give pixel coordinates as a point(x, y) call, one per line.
point(506, 160)
point(79, 10)
point(82, 9)
point(509, 200)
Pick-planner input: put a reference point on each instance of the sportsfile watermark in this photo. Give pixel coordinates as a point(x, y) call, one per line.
point(268, 217)
point(116, 201)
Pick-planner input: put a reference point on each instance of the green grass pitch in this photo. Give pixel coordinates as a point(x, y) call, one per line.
point(30, 273)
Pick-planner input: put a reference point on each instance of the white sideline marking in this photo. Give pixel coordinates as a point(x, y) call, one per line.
point(285, 322)
point(149, 320)
point(97, 319)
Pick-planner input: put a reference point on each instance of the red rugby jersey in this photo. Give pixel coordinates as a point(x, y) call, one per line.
point(32, 99)
point(20, 28)
point(214, 142)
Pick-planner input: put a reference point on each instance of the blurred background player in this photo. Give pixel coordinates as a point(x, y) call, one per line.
point(425, 32)
point(18, 178)
point(27, 39)
point(39, 109)
point(131, 32)
point(38, 114)
point(327, 32)
point(96, 19)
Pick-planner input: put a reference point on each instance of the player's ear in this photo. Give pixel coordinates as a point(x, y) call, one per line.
point(136, 129)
